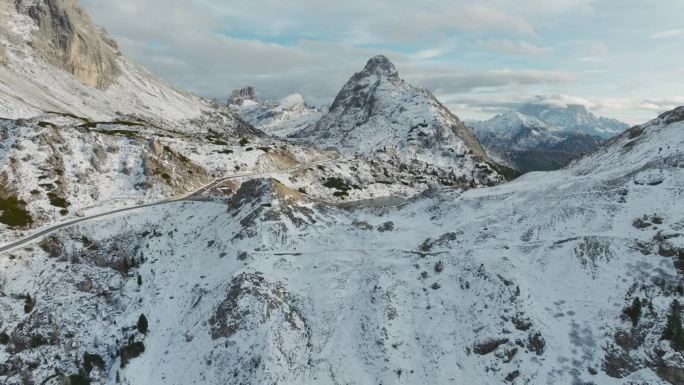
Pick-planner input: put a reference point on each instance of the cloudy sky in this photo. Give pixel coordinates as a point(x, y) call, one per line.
point(621, 58)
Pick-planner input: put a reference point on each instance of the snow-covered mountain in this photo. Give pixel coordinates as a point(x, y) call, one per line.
point(278, 118)
point(376, 110)
point(379, 116)
point(574, 118)
point(571, 277)
point(544, 137)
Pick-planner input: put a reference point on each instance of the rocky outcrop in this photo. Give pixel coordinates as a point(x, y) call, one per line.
point(240, 95)
point(66, 38)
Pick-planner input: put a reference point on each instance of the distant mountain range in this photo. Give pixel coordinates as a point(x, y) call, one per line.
point(280, 118)
point(544, 137)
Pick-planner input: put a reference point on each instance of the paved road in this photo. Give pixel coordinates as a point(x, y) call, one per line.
point(214, 183)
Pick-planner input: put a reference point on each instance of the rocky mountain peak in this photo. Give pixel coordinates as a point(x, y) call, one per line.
point(240, 95)
point(378, 114)
point(382, 66)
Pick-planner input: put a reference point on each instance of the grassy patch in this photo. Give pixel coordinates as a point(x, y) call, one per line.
point(69, 115)
point(14, 213)
point(58, 201)
point(124, 133)
point(337, 183)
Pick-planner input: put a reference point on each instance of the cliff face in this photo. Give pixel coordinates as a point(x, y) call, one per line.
point(66, 38)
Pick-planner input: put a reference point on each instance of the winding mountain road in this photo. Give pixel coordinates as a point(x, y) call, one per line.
point(49, 230)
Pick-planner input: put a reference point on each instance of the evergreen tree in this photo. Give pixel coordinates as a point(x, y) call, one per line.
point(634, 311)
point(673, 329)
point(139, 280)
point(28, 304)
point(142, 324)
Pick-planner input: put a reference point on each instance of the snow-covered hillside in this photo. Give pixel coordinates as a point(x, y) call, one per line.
point(562, 277)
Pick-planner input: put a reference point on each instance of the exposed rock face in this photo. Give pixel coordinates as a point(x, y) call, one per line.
point(239, 96)
point(67, 39)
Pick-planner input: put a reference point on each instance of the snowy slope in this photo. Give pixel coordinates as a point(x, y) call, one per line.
point(523, 283)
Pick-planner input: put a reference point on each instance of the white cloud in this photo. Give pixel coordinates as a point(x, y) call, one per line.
point(518, 47)
point(662, 104)
point(562, 100)
point(481, 17)
point(444, 80)
point(667, 34)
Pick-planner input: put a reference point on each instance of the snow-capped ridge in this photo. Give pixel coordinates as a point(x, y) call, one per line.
point(574, 118)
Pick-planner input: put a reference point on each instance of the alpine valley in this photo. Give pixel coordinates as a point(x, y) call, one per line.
point(151, 236)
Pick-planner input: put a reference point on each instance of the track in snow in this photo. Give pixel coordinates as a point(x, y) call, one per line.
point(215, 182)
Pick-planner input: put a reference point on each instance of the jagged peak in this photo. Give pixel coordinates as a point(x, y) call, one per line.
point(382, 66)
